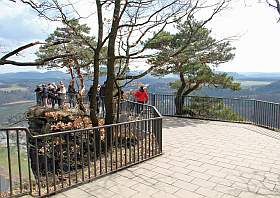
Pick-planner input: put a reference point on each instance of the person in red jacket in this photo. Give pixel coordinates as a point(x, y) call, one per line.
point(141, 96)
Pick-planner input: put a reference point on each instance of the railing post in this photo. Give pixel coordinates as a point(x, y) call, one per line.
point(153, 99)
point(255, 113)
point(160, 133)
point(9, 163)
point(28, 161)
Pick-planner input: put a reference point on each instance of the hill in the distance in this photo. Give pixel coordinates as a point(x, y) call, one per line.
point(63, 75)
point(272, 76)
point(34, 75)
point(272, 88)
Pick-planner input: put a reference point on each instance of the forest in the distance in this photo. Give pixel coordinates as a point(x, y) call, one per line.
point(16, 87)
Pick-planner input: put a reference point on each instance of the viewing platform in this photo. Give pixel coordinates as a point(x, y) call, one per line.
point(202, 147)
point(200, 159)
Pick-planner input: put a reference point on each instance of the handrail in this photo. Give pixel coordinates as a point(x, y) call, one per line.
point(247, 99)
point(76, 130)
point(49, 154)
point(89, 128)
point(92, 128)
point(154, 108)
point(258, 112)
point(60, 160)
point(17, 128)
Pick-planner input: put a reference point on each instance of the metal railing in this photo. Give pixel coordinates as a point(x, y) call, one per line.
point(15, 176)
point(42, 165)
point(257, 112)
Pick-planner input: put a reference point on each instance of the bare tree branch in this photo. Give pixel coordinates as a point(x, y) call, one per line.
point(276, 6)
point(4, 61)
point(35, 63)
point(16, 51)
point(133, 77)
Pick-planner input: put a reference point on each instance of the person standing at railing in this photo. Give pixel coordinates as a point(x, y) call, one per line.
point(52, 94)
point(44, 95)
point(61, 91)
point(72, 94)
point(98, 99)
point(141, 96)
point(89, 94)
point(130, 95)
point(38, 91)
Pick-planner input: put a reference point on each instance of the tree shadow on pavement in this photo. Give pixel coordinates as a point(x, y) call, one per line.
point(263, 184)
point(175, 122)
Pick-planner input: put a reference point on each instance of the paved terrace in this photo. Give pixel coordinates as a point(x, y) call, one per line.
point(201, 159)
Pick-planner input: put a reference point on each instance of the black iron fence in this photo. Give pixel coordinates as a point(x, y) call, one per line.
point(15, 173)
point(45, 164)
point(261, 113)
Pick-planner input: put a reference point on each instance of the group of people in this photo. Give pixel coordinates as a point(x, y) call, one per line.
point(51, 94)
point(140, 96)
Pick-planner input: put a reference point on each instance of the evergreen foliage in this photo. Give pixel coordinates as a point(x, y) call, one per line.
point(193, 54)
point(70, 41)
point(210, 108)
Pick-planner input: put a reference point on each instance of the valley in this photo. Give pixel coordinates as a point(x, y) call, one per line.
point(17, 89)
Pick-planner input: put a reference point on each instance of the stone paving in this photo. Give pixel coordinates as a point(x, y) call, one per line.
point(200, 159)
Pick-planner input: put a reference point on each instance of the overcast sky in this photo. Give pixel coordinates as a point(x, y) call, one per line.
point(257, 48)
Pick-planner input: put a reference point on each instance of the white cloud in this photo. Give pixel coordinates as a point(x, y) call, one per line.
point(257, 48)
point(19, 22)
point(19, 25)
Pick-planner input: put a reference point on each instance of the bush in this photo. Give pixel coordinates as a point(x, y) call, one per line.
point(210, 108)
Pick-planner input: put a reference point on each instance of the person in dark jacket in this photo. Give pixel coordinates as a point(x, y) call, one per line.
point(38, 91)
point(44, 94)
point(97, 97)
point(52, 94)
point(102, 90)
point(89, 94)
point(72, 94)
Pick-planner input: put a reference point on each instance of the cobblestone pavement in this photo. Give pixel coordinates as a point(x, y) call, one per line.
point(201, 159)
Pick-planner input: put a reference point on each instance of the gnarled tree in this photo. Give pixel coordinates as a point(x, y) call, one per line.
point(129, 24)
point(81, 59)
point(196, 62)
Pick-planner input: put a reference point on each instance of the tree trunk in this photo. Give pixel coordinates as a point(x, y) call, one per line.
point(109, 118)
point(191, 89)
point(118, 102)
point(93, 104)
point(93, 101)
point(80, 87)
point(179, 100)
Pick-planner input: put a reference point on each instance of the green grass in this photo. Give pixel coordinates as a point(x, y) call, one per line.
point(8, 111)
point(4, 165)
point(248, 83)
point(13, 87)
